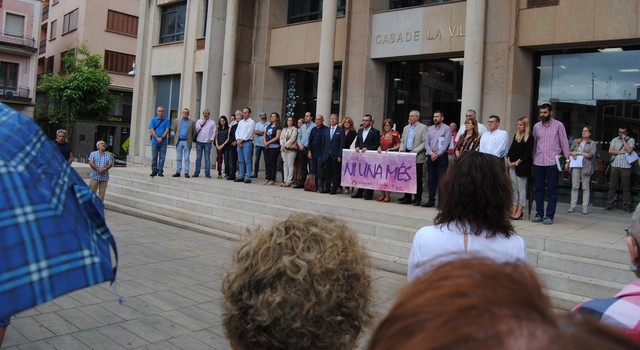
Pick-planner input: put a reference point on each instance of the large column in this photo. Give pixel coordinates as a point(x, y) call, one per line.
point(327, 46)
point(229, 56)
point(473, 56)
point(143, 108)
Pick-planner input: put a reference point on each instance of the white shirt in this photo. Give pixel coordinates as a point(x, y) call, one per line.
point(434, 245)
point(365, 133)
point(245, 129)
point(207, 132)
point(481, 129)
point(494, 142)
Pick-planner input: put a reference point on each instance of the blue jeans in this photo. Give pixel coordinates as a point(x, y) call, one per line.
point(244, 161)
point(206, 148)
point(158, 153)
point(546, 177)
point(182, 152)
point(258, 152)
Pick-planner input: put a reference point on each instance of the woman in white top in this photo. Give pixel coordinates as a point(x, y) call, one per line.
point(288, 149)
point(474, 217)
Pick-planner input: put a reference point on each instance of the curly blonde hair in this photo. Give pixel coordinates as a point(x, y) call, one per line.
point(303, 283)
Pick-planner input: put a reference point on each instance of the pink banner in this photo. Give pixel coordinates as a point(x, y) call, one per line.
point(386, 171)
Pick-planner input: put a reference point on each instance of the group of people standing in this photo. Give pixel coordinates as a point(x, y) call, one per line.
point(309, 146)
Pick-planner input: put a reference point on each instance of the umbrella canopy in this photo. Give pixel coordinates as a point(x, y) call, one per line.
point(53, 236)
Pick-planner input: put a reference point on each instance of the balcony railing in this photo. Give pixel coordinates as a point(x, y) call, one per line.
point(16, 93)
point(43, 47)
point(45, 13)
point(22, 43)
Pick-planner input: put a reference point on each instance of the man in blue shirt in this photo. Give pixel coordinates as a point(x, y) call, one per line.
point(303, 143)
point(258, 143)
point(184, 130)
point(159, 129)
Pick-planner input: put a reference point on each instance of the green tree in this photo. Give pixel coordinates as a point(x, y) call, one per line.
point(81, 91)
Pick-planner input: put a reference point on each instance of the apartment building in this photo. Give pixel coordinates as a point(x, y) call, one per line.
point(18, 53)
point(110, 29)
point(388, 57)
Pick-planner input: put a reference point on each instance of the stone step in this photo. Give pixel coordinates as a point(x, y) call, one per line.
point(578, 285)
point(141, 213)
point(398, 237)
point(564, 301)
point(580, 266)
point(235, 222)
point(572, 271)
point(239, 207)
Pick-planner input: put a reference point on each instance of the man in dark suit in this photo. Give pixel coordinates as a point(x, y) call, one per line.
point(233, 152)
point(316, 146)
point(368, 139)
point(332, 155)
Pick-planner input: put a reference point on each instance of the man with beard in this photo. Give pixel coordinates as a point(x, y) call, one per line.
point(368, 138)
point(436, 144)
point(550, 139)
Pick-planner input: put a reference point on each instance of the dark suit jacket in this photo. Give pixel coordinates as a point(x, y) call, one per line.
point(333, 146)
point(232, 135)
point(371, 143)
point(316, 141)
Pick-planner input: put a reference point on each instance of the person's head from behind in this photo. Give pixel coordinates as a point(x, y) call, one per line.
point(477, 303)
point(479, 195)
point(303, 283)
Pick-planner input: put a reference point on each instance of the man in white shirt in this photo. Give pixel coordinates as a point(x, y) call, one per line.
point(205, 135)
point(244, 140)
point(494, 141)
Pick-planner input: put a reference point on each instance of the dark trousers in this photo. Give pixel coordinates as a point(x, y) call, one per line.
point(303, 160)
point(317, 169)
point(620, 176)
point(223, 157)
point(546, 177)
point(419, 187)
point(258, 151)
point(271, 163)
point(331, 174)
point(435, 171)
point(233, 161)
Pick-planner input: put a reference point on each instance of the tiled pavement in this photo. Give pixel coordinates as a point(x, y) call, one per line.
point(167, 296)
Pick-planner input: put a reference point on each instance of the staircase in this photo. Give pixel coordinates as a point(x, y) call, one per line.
point(573, 265)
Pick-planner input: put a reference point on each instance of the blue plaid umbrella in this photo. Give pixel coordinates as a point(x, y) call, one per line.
point(53, 236)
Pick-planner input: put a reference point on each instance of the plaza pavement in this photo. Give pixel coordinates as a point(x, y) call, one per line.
point(169, 280)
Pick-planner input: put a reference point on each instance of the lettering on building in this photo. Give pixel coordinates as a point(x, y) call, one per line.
point(433, 34)
point(456, 31)
point(397, 38)
point(430, 34)
point(113, 118)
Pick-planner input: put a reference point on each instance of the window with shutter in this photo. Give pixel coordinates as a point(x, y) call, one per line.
point(14, 25)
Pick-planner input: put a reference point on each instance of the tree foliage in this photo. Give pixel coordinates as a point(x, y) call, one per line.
point(81, 91)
